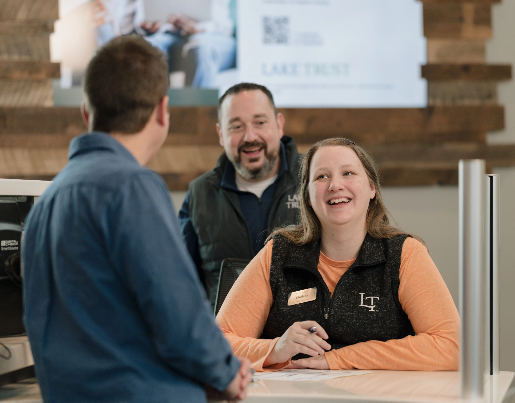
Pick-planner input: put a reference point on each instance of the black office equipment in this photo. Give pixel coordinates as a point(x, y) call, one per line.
point(12, 216)
point(229, 271)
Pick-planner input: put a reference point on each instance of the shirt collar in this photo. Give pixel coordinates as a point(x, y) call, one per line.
point(96, 141)
point(229, 176)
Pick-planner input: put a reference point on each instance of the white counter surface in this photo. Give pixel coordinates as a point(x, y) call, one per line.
point(380, 386)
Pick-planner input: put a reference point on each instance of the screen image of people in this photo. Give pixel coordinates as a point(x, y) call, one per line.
point(198, 47)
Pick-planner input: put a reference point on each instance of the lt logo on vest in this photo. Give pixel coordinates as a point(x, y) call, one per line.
point(371, 306)
point(293, 201)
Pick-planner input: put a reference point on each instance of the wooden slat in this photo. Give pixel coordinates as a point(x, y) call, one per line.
point(428, 121)
point(457, 20)
point(21, 140)
point(455, 51)
point(29, 10)
point(30, 27)
point(405, 176)
point(466, 72)
point(399, 164)
point(198, 123)
point(41, 120)
point(42, 140)
point(26, 93)
point(37, 70)
point(25, 47)
point(448, 92)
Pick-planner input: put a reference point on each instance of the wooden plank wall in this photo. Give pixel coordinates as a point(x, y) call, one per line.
point(413, 146)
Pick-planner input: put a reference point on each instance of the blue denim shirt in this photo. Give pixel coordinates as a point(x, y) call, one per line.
point(114, 309)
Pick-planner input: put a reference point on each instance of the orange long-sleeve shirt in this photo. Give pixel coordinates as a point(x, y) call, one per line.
point(422, 293)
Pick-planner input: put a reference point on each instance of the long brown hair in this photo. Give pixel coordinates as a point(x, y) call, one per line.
point(310, 229)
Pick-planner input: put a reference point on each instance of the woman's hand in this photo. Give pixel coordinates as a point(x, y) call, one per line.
point(298, 339)
point(318, 362)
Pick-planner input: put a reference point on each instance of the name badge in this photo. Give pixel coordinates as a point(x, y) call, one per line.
point(298, 297)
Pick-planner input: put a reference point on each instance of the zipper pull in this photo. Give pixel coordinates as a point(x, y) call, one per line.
point(326, 314)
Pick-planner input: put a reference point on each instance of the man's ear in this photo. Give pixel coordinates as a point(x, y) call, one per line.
point(85, 114)
point(220, 135)
point(163, 115)
point(280, 124)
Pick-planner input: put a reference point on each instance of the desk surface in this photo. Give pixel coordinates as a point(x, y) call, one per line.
point(380, 386)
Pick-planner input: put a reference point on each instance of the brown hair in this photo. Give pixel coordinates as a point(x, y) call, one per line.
point(237, 88)
point(123, 83)
point(310, 229)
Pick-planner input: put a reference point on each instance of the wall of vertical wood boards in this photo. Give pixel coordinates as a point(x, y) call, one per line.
point(413, 146)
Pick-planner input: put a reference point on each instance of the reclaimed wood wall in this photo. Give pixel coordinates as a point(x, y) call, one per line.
point(413, 146)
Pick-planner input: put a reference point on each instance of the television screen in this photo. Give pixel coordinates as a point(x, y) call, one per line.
point(311, 53)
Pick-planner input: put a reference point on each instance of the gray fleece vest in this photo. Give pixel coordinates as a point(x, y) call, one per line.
point(365, 303)
point(219, 223)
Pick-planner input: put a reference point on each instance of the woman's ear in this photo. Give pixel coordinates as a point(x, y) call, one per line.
point(372, 191)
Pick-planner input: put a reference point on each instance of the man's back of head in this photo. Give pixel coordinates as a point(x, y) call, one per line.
point(123, 83)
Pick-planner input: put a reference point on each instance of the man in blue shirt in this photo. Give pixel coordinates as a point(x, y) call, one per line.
point(113, 306)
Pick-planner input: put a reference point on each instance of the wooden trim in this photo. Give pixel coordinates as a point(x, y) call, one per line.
point(457, 20)
point(21, 10)
point(197, 124)
point(30, 27)
point(450, 50)
point(399, 164)
point(35, 70)
point(429, 121)
point(454, 92)
point(466, 72)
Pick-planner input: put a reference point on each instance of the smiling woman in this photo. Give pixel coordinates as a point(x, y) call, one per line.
point(372, 291)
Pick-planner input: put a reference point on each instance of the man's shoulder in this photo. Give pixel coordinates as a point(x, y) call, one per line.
point(292, 154)
point(102, 176)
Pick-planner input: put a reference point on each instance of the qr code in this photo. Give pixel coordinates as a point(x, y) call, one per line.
point(276, 30)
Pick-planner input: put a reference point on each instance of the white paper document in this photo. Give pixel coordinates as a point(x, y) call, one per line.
point(306, 374)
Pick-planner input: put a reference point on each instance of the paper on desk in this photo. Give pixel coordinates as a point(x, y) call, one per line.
point(306, 374)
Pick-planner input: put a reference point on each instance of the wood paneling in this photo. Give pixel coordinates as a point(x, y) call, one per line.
point(26, 93)
point(455, 51)
point(29, 10)
point(457, 20)
point(442, 93)
point(25, 47)
point(32, 70)
point(413, 146)
point(196, 125)
point(399, 164)
point(466, 72)
point(30, 27)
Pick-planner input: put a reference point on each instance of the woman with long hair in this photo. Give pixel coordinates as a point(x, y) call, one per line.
point(343, 288)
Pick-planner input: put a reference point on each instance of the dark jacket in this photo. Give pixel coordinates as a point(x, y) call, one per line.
point(364, 305)
point(213, 225)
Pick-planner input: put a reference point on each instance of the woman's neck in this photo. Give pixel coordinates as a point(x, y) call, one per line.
point(342, 245)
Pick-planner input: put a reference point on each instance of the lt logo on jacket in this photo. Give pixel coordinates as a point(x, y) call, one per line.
point(371, 306)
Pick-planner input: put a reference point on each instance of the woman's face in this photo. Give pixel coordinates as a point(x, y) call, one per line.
point(339, 188)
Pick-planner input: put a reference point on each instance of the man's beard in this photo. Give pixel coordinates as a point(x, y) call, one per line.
point(256, 173)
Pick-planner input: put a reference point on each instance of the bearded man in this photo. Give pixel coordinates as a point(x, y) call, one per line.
point(229, 211)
